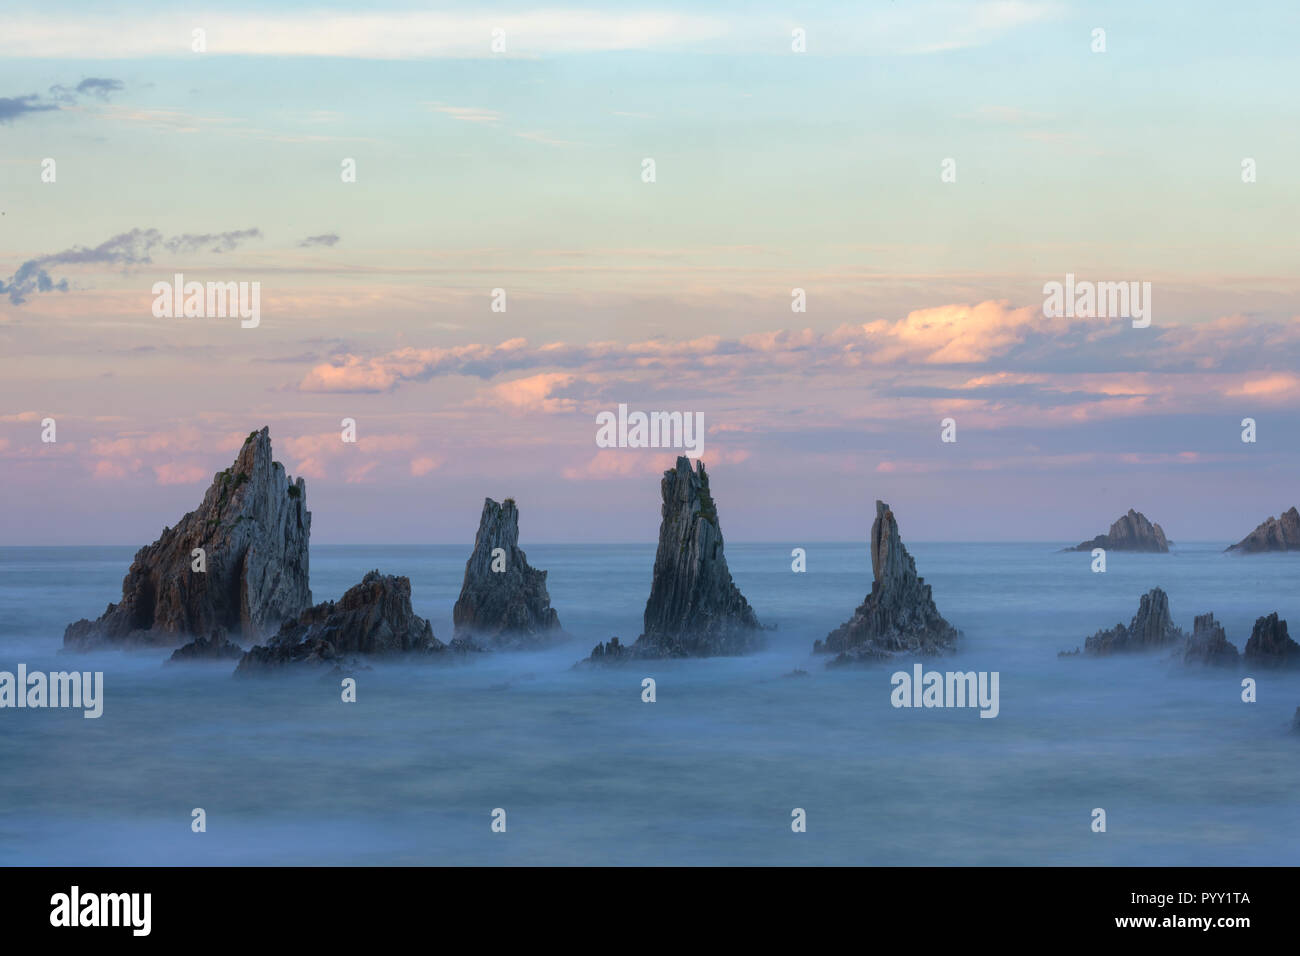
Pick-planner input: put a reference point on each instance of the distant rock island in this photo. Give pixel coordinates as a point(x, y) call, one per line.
point(253, 527)
point(372, 618)
point(1131, 532)
point(503, 600)
point(1275, 534)
point(694, 608)
point(899, 615)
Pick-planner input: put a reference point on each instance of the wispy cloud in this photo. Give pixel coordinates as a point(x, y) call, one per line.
point(13, 107)
point(125, 249)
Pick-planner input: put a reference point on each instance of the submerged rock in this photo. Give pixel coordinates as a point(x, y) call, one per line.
point(1209, 644)
point(1270, 645)
point(372, 618)
point(503, 600)
point(1275, 534)
point(694, 608)
point(1131, 532)
point(899, 615)
point(216, 647)
point(1151, 628)
point(253, 527)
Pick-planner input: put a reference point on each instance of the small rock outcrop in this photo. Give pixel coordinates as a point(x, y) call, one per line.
point(216, 647)
point(372, 618)
point(503, 600)
point(1152, 627)
point(1275, 534)
point(253, 527)
point(1270, 645)
point(899, 615)
point(1209, 644)
point(1132, 532)
point(694, 608)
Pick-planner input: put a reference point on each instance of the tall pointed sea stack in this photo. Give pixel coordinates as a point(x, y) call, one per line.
point(503, 601)
point(899, 615)
point(253, 527)
point(694, 609)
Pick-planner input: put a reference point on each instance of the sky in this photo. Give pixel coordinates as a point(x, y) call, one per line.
point(920, 170)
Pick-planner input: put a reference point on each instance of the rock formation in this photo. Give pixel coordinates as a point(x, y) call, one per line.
point(216, 647)
point(1270, 645)
point(899, 615)
point(253, 527)
point(1151, 628)
point(1209, 644)
point(1275, 534)
point(694, 608)
point(372, 618)
point(1132, 532)
point(503, 601)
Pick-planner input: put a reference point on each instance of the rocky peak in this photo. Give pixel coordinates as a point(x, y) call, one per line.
point(899, 615)
point(253, 527)
point(1130, 532)
point(1270, 645)
point(373, 617)
point(1152, 627)
point(694, 608)
point(1209, 644)
point(1275, 534)
point(503, 600)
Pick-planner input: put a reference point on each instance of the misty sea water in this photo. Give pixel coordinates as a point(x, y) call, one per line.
point(710, 772)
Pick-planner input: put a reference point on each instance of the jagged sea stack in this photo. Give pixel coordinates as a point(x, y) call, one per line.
point(694, 608)
point(1152, 627)
point(1270, 645)
point(899, 615)
point(1130, 532)
point(1209, 644)
point(374, 617)
point(253, 527)
point(1275, 534)
point(504, 601)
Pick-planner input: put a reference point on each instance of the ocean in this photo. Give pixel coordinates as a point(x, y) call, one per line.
point(709, 773)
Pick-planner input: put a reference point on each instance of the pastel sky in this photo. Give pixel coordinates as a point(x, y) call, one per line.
point(775, 170)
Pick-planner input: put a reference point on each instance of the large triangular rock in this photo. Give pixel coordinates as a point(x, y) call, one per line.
point(503, 600)
point(899, 615)
point(1275, 534)
point(1130, 532)
point(694, 608)
point(253, 527)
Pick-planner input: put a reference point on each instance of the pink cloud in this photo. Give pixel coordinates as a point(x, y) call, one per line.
point(424, 464)
point(177, 473)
